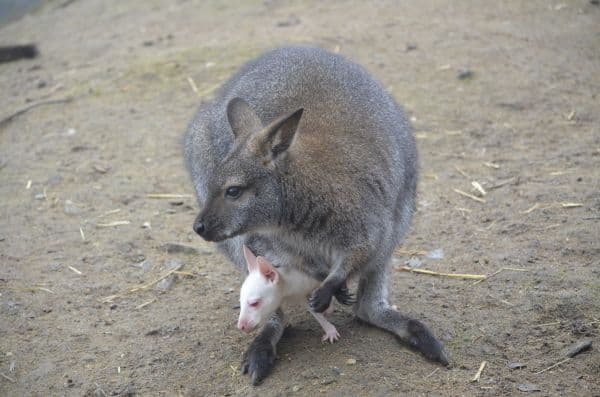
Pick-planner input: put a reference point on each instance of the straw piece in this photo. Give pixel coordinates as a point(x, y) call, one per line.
point(479, 199)
point(479, 371)
point(452, 275)
point(167, 196)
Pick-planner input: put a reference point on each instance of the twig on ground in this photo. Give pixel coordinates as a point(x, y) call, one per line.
point(145, 303)
point(112, 224)
point(511, 269)
point(452, 275)
point(553, 366)
point(34, 105)
point(167, 196)
point(432, 373)
point(479, 371)
point(75, 270)
point(8, 377)
point(479, 199)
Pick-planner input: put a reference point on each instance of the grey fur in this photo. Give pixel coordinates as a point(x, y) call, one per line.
point(328, 165)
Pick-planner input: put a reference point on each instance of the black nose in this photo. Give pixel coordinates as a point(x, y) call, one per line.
point(199, 227)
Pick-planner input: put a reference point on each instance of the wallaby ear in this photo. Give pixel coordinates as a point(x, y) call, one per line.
point(267, 270)
point(250, 259)
point(278, 136)
point(242, 119)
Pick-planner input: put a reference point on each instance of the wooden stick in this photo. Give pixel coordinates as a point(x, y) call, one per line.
point(479, 371)
point(27, 108)
point(112, 224)
point(479, 199)
point(8, 377)
point(453, 275)
point(167, 196)
point(553, 366)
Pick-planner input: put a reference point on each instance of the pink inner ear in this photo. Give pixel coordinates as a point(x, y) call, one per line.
point(250, 259)
point(267, 269)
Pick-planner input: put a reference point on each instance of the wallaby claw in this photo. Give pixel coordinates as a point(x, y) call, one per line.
point(344, 296)
point(320, 299)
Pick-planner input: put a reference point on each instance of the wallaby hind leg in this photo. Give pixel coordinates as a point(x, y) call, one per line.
point(374, 308)
point(260, 356)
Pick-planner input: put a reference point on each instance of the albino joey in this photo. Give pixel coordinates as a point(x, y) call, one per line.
point(266, 288)
point(302, 154)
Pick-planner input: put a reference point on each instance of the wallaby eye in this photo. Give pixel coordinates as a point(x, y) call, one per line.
point(254, 303)
point(233, 192)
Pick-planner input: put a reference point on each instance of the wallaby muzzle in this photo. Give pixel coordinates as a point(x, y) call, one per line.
point(209, 230)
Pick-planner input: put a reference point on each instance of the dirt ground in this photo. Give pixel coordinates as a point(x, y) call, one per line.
point(501, 93)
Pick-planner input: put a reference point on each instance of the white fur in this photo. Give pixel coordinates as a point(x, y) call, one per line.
point(290, 286)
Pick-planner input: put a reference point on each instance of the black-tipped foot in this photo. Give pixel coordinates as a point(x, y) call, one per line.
point(258, 361)
point(423, 340)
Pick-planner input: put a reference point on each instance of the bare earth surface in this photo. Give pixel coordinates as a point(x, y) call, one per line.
point(524, 124)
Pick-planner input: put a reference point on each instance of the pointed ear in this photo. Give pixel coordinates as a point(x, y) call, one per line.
point(278, 136)
point(242, 119)
point(267, 270)
point(250, 259)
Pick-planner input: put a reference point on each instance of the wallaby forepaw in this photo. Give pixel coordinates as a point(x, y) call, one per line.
point(320, 300)
point(423, 340)
point(344, 296)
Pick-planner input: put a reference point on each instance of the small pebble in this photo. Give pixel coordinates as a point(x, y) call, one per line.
point(414, 262)
point(177, 248)
point(528, 387)
point(465, 74)
point(579, 347)
point(71, 208)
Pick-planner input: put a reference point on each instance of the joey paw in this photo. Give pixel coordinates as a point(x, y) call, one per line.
point(331, 336)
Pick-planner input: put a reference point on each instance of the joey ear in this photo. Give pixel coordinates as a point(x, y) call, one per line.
point(278, 136)
point(267, 269)
point(250, 259)
point(242, 119)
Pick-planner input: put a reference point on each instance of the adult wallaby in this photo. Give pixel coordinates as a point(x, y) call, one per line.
point(267, 288)
point(303, 157)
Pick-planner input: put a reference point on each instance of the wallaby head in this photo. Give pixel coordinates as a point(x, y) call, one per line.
point(244, 193)
point(260, 294)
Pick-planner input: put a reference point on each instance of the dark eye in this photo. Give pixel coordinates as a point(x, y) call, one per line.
point(254, 303)
point(233, 192)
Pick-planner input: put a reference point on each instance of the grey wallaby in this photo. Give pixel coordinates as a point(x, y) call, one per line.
point(304, 157)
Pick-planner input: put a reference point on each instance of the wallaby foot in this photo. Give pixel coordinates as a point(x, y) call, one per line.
point(408, 330)
point(260, 356)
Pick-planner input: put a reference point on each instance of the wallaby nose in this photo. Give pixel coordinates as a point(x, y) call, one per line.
point(244, 325)
point(199, 227)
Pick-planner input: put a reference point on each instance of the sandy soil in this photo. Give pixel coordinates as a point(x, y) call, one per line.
point(524, 124)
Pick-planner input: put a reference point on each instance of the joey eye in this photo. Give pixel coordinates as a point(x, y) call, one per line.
point(233, 192)
point(254, 303)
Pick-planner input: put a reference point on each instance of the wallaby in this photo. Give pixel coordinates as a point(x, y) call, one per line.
point(267, 288)
point(303, 157)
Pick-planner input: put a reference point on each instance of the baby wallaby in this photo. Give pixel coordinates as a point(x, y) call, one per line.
point(266, 288)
